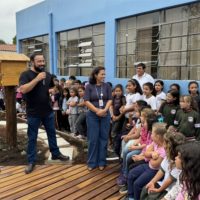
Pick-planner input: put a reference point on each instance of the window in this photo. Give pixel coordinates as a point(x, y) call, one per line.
point(167, 41)
point(80, 50)
point(36, 44)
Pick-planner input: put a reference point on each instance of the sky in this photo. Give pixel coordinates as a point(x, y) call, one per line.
point(8, 9)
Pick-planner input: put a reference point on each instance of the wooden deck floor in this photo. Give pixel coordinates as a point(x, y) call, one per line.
point(59, 182)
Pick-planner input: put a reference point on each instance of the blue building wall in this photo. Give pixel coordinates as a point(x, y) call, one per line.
point(52, 16)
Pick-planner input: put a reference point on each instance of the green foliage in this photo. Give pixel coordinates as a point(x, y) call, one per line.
point(14, 40)
point(2, 41)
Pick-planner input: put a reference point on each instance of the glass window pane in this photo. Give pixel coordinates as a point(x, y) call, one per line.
point(194, 26)
point(147, 20)
point(176, 14)
point(194, 9)
point(131, 48)
point(98, 29)
point(83, 46)
point(63, 36)
point(121, 61)
point(86, 32)
point(85, 71)
point(174, 29)
point(171, 73)
point(130, 62)
point(194, 58)
point(131, 35)
point(194, 73)
point(194, 42)
point(73, 34)
point(98, 51)
point(122, 37)
point(98, 40)
point(172, 59)
point(173, 44)
point(121, 49)
point(98, 61)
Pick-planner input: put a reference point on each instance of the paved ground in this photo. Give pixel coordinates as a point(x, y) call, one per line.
point(64, 146)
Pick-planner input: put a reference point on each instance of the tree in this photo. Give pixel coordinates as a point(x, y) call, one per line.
point(2, 41)
point(14, 40)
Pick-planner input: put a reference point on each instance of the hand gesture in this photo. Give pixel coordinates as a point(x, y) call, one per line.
point(154, 155)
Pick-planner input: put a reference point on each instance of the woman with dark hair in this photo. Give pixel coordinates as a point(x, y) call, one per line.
point(98, 99)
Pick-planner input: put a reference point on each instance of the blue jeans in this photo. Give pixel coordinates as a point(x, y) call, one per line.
point(127, 156)
point(97, 134)
point(138, 177)
point(33, 126)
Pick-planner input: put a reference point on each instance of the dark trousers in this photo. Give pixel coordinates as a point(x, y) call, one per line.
point(81, 126)
point(97, 134)
point(138, 177)
point(65, 122)
point(118, 140)
point(154, 195)
point(33, 126)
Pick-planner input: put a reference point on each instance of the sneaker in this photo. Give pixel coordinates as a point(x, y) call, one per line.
point(112, 156)
point(123, 190)
point(121, 180)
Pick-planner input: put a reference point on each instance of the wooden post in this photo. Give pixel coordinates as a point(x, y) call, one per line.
point(11, 120)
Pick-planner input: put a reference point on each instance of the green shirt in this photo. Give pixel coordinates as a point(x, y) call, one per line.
point(188, 123)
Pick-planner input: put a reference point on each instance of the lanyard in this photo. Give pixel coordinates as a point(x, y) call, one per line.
point(101, 93)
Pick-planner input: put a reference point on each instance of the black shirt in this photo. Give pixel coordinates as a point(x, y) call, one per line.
point(37, 100)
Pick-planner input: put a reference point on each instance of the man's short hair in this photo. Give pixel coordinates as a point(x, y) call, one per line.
point(34, 54)
point(141, 65)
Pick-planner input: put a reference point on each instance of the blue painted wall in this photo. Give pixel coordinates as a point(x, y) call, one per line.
point(52, 16)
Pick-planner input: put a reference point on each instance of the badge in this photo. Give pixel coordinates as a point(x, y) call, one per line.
point(100, 103)
point(190, 119)
point(173, 112)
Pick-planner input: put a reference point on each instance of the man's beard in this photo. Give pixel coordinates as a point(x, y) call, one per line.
point(39, 68)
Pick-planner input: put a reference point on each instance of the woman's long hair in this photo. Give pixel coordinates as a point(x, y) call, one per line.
point(190, 161)
point(95, 71)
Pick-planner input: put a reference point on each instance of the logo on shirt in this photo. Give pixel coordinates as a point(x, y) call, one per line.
point(173, 112)
point(190, 119)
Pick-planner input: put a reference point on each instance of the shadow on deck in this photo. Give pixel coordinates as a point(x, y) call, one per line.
point(59, 182)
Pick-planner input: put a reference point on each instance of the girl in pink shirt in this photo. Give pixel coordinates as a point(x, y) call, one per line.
point(139, 176)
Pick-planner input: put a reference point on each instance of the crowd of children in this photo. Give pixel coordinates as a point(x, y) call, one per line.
point(154, 133)
point(153, 142)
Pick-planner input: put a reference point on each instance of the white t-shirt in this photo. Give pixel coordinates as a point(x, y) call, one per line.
point(150, 101)
point(165, 167)
point(159, 99)
point(130, 100)
point(144, 79)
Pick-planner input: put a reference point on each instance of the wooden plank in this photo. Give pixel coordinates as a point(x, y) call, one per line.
point(10, 169)
point(106, 194)
point(116, 196)
point(30, 180)
point(94, 187)
point(43, 184)
point(69, 181)
point(83, 175)
point(19, 176)
point(99, 177)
